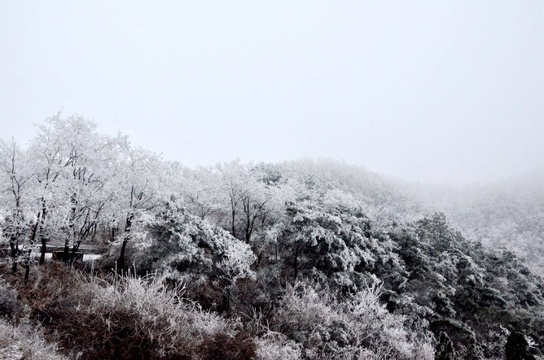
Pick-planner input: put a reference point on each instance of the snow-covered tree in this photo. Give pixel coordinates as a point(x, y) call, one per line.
point(185, 247)
point(140, 181)
point(15, 177)
point(201, 192)
point(72, 178)
point(253, 199)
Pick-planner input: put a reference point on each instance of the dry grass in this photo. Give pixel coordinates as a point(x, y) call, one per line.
point(127, 318)
point(130, 317)
point(8, 302)
point(26, 342)
point(358, 327)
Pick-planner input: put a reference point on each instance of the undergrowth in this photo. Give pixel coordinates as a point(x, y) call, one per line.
point(128, 317)
point(83, 316)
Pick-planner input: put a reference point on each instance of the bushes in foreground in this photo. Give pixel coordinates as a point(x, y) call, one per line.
point(358, 327)
point(24, 341)
point(112, 317)
point(128, 318)
point(8, 302)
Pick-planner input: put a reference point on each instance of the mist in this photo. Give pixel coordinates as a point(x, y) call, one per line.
point(444, 93)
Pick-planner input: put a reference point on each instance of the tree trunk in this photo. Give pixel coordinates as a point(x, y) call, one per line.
point(121, 260)
point(71, 227)
point(27, 265)
point(42, 250)
point(66, 252)
point(14, 252)
point(35, 231)
point(128, 228)
point(43, 239)
point(296, 262)
point(27, 272)
point(75, 248)
point(233, 222)
point(249, 230)
point(226, 300)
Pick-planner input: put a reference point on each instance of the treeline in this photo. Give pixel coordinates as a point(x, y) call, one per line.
point(302, 259)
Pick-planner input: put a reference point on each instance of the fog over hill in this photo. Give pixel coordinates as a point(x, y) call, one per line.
point(507, 213)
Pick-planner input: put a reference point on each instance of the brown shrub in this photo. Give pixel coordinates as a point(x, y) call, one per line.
point(127, 318)
point(222, 346)
point(23, 341)
point(8, 302)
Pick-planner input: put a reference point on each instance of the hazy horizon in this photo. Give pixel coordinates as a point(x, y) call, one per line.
point(433, 92)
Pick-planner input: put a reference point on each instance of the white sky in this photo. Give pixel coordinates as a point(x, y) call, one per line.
point(438, 91)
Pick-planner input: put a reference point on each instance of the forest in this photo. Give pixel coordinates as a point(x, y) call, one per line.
point(303, 259)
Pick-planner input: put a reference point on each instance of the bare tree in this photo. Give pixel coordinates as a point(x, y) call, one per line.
point(16, 176)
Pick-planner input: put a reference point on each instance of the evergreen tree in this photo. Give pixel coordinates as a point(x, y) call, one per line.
point(444, 348)
point(517, 347)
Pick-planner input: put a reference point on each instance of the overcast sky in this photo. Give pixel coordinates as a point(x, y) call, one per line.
point(436, 91)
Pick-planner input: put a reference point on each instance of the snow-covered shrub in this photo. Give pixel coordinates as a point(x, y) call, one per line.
point(18, 342)
point(155, 313)
point(358, 327)
point(185, 243)
point(136, 318)
point(187, 249)
point(8, 301)
point(273, 346)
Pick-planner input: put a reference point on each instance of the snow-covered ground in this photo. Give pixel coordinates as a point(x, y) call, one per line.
point(86, 257)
